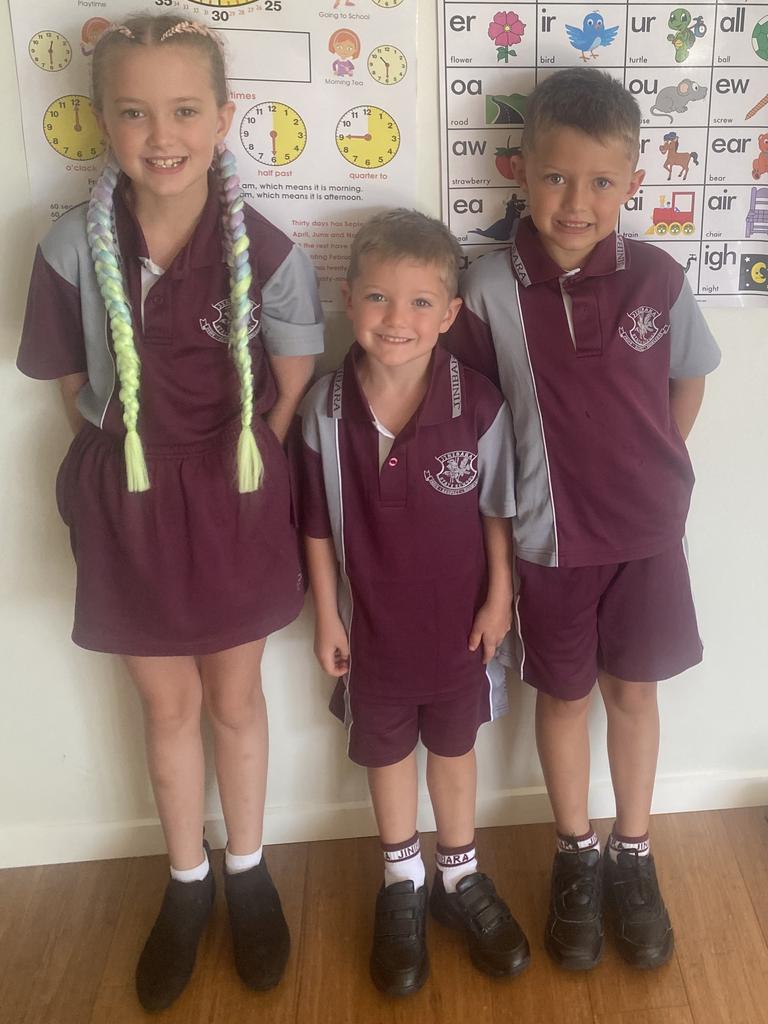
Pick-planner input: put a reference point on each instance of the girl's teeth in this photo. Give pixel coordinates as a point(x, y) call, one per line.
point(166, 163)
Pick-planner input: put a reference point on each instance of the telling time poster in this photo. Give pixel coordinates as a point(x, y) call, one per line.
point(325, 118)
point(700, 75)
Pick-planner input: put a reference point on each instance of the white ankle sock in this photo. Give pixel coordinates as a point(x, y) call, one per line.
point(403, 863)
point(455, 863)
point(235, 863)
point(578, 844)
point(634, 844)
point(192, 874)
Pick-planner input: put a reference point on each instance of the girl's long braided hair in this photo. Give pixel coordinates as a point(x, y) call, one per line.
point(165, 30)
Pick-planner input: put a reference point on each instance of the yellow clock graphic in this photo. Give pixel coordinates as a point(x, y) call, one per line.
point(273, 133)
point(50, 50)
point(387, 64)
point(387, 3)
point(71, 128)
point(367, 136)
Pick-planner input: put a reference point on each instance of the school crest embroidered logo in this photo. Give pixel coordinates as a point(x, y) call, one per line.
point(458, 473)
point(218, 329)
point(644, 332)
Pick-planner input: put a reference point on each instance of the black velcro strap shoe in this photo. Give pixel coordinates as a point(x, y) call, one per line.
point(640, 920)
point(496, 942)
point(574, 933)
point(260, 935)
point(168, 958)
point(399, 962)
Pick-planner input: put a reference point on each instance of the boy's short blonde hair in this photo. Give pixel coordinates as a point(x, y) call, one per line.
point(407, 234)
point(587, 99)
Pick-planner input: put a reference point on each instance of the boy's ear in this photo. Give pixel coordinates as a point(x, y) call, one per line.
point(518, 169)
point(450, 314)
point(635, 182)
point(346, 294)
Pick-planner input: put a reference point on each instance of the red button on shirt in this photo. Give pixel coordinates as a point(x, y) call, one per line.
point(392, 462)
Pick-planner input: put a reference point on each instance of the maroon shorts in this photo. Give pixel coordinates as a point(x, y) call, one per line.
point(634, 620)
point(381, 734)
point(188, 567)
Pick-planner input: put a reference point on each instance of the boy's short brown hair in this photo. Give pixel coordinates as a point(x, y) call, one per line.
point(584, 98)
point(407, 234)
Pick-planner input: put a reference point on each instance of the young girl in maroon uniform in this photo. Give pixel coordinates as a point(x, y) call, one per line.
point(176, 488)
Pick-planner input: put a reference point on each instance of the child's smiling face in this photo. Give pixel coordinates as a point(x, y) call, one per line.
point(576, 186)
point(162, 119)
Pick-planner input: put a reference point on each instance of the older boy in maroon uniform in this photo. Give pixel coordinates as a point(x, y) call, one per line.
point(408, 484)
point(601, 351)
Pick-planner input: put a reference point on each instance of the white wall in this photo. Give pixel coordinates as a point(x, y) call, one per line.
point(72, 779)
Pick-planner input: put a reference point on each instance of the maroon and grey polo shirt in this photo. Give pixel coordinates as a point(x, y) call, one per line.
point(409, 536)
point(189, 386)
point(584, 359)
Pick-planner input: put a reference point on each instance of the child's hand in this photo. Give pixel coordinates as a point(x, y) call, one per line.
point(332, 646)
point(491, 625)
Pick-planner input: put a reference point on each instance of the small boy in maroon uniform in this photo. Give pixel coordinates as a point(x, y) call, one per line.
point(601, 351)
point(408, 484)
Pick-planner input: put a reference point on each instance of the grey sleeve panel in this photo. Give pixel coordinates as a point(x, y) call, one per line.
point(496, 467)
point(693, 350)
point(495, 292)
point(320, 432)
point(291, 315)
point(66, 250)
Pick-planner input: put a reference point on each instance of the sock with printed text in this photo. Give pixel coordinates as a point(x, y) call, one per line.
point(403, 863)
point(454, 862)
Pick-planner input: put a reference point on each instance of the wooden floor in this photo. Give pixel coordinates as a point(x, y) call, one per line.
point(70, 936)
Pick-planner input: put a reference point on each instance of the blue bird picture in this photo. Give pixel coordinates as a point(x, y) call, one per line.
point(591, 35)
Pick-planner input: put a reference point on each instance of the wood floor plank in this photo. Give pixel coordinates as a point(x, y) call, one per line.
point(748, 832)
point(720, 949)
point(671, 1015)
point(70, 936)
point(62, 941)
point(17, 886)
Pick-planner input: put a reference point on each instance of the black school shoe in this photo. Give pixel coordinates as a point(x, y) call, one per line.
point(399, 963)
point(640, 920)
point(496, 942)
point(574, 933)
point(168, 958)
point(260, 935)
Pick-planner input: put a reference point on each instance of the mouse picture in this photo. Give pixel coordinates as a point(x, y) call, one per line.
point(675, 98)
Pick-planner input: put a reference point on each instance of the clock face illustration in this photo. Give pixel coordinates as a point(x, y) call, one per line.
point(387, 64)
point(367, 136)
point(50, 50)
point(387, 3)
point(70, 126)
point(273, 133)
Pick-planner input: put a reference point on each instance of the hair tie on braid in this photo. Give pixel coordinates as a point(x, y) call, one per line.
point(250, 467)
point(110, 278)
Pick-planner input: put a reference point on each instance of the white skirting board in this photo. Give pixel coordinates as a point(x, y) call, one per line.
point(66, 842)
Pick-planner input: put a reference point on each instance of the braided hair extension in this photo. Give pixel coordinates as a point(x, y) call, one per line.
point(155, 31)
point(106, 261)
point(250, 466)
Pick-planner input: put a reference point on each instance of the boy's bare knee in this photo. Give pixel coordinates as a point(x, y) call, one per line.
point(627, 697)
point(551, 707)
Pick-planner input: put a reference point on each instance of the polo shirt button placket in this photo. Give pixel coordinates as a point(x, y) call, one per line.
point(393, 481)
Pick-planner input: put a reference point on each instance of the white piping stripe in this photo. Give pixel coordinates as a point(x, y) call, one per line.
point(490, 692)
point(520, 636)
point(541, 421)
